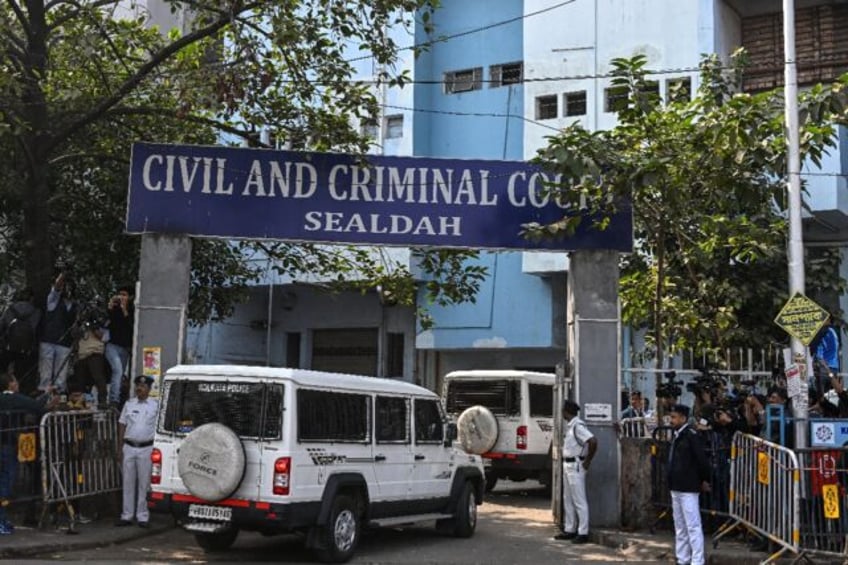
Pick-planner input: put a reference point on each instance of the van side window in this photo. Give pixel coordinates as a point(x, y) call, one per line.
point(428, 421)
point(392, 420)
point(541, 400)
point(332, 416)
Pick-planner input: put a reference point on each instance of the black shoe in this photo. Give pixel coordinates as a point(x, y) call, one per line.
point(122, 523)
point(565, 535)
point(142, 524)
point(580, 539)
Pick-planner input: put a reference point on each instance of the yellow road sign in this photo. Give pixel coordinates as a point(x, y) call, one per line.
point(802, 318)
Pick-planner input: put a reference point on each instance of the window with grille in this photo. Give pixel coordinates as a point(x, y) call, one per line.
point(616, 98)
point(541, 400)
point(501, 396)
point(369, 128)
point(464, 80)
point(502, 75)
point(324, 416)
point(251, 410)
point(392, 420)
point(574, 103)
point(546, 107)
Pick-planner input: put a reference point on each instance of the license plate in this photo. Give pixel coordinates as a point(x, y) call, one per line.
point(221, 513)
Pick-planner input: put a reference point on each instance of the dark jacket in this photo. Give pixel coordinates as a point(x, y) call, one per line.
point(688, 465)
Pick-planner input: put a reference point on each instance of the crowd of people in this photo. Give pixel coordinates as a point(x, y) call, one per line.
point(59, 354)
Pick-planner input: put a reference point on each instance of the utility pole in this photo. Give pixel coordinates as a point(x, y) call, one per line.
point(796, 242)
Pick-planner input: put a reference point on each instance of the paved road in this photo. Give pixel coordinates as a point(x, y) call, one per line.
point(514, 527)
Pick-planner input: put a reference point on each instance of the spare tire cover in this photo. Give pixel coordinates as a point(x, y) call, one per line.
point(477, 429)
point(211, 462)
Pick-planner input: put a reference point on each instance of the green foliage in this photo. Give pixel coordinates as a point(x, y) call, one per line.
point(706, 180)
point(79, 81)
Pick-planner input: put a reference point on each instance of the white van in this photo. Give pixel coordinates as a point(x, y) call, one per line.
point(278, 450)
point(507, 417)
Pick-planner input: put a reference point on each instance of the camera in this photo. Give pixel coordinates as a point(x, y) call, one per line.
point(671, 387)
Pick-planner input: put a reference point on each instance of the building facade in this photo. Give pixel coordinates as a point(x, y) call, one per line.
point(496, 78)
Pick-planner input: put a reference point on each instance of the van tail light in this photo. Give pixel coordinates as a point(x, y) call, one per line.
point(282, 475)
point(156, 468)
point(521, 437)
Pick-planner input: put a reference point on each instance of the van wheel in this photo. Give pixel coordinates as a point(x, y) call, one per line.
point(340, 536)
point(491, 481)
point(219, 541)
point(464, 522)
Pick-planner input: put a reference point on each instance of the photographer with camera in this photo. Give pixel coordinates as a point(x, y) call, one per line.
point(91, 367)
point(54, 348)
point(121, 321)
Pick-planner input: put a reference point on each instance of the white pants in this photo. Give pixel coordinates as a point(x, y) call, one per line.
point(136, 467)
point(574, 498)
point(688, 535)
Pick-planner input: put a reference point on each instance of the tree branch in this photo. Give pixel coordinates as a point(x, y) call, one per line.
point(132, 82)
point(22, 19)
point(126, 111)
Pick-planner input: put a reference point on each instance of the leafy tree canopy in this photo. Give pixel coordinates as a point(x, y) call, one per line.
point(705, 175)
point(80, 81)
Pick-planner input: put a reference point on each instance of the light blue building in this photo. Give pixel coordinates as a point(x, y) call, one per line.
point(497, 77)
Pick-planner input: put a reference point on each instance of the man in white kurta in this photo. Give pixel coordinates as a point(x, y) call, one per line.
point(578, 449)
point(136, 427)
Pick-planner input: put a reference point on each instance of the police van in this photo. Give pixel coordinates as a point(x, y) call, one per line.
point(507, 416)
point(277, 450)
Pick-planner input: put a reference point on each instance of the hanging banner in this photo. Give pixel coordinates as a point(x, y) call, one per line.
point(238, 193)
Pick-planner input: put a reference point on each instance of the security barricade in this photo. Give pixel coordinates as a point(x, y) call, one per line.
point(823, 520)
point(19, 463)
point(764, 492)
point(79, 456)
point(636, 427)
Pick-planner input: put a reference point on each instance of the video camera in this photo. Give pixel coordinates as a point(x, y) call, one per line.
point(671, 387)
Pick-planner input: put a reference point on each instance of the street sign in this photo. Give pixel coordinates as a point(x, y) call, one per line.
point(802, 318)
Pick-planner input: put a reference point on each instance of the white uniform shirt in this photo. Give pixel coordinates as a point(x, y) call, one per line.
point(575, 438)
point(140, 419)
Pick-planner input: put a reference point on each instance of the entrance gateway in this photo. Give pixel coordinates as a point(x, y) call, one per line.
point(177, 192)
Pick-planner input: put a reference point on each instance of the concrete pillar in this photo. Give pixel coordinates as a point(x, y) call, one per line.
point(593, 346)
point(161, 301)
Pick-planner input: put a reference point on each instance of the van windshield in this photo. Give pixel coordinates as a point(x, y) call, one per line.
point(251, 410)
point(501, 396)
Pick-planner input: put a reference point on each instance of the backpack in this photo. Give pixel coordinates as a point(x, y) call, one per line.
point(20, 335)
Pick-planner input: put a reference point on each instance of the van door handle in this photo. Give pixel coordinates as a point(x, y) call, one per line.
point(379, 458)
point(420, 457)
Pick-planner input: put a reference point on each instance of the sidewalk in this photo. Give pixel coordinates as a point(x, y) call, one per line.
point(28, 542)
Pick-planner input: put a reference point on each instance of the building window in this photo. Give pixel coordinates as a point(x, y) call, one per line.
point(394, 354)
point(293, 350)
point(679, 89)
point(464, 80)
point(615, 98)
point(394, 127)
point(546, 107)
point(368, 128)
point(501, 75)
point(351, 350)
point(574, 103)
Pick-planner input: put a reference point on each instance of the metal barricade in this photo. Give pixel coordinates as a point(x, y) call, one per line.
point(19, 454)
point(764, 492)
point(79, 456)
point(823, 512)
point(641, 427)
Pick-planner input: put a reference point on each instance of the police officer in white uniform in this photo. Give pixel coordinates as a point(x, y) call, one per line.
point(578, 449)
point(136, 427)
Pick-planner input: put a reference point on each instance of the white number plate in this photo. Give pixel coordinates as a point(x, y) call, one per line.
point(221, 513)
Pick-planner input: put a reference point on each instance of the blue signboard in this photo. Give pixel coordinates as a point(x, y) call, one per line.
point(336, 198)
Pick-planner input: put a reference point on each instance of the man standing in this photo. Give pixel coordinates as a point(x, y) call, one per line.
point(18, 413)
point(121, 320)
point(19, 339)
point(136, 427)
point(91, 367)
point(578, 449)
point(55, 346)
point(688, 475)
